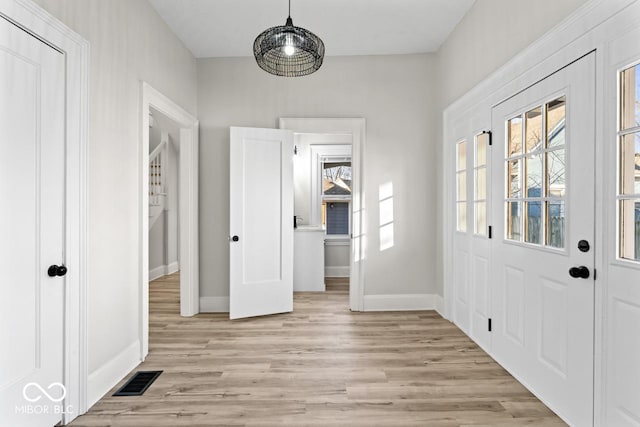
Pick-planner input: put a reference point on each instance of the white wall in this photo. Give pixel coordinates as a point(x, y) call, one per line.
point(129, 43)
point(395, 96)
point(490, 34)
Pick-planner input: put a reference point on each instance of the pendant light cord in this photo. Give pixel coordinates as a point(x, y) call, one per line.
point(289, 8)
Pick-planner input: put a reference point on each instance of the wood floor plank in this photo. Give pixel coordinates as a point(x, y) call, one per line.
point(321, 365)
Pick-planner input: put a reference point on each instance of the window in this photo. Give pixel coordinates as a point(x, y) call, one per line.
point(629, 164)
point(535, 169)
point(336, 196)
point(461, 186)
point(480, 183)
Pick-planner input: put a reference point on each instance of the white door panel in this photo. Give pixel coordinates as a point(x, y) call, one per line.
point(621, 340)
point(542, 317)
point(472, 310)
point(32, 197)
point(261, 217)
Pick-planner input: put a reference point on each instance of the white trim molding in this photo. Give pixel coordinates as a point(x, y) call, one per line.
point(402, 302)
point(108, 375)
point(163, 270)
point(356, 127)
point(188, 207)
point(337, 271)
point(33, 19)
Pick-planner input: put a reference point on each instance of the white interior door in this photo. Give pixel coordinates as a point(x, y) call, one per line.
point(543, 206)
point(261, 222)
point(32, 144)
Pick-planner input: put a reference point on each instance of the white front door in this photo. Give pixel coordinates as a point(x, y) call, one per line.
point(261, 222)
point(32, 147)
point(543, 247)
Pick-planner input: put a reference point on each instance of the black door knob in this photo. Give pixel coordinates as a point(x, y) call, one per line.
point(583, 246)
point(57, 270)
point(235, 238)
point(581, 272)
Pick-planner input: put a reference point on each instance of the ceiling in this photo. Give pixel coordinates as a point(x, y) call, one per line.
point(222, 28)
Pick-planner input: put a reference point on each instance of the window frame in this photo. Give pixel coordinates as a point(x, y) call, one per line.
point(324, 199)
point(621, 197)
point(545, 199)
point(461, 201)
point(484, 233)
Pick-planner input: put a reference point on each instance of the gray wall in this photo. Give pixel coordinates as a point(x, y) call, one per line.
point(129, 43)
point(490, 34)
point(393, 93)
point(337, 256)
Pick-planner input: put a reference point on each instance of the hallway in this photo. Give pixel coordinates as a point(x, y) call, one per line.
point(320, 365)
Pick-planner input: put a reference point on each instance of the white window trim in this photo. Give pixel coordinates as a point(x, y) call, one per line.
point(338, 198)
point(320, 153)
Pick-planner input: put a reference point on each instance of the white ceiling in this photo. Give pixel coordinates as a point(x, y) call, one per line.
point(221, 28)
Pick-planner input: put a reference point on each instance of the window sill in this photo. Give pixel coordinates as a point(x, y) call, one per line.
point(337, 241)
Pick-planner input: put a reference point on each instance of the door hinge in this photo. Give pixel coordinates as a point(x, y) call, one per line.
point(295, 150)
point(490, 232)
point(489, 326)
point(488, 132)
point(595, 274)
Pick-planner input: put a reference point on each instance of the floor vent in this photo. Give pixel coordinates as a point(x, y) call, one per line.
point(138, 383)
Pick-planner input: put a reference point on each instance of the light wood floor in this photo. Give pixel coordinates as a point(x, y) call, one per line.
point(318, 366)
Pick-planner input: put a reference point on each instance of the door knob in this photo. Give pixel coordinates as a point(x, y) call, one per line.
point(581, 272)
point(235, 238)
point(57, 270)
point(583, 246)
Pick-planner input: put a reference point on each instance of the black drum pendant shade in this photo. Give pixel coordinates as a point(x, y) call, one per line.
point(288, 50)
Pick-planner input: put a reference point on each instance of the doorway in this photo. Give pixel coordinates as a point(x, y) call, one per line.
point(187, 212)
point(164, 157)
point(333, 143)
point(323, 184)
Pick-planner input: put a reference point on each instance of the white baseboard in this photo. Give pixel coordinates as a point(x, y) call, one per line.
point(108, 375)
point(163, 270)
point(157, 272)
point(402, 302)
point(337, 271)
point(214, 304)
point(173, 267)
point(438, 304)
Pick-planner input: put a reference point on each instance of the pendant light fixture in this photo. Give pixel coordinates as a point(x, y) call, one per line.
point(288, 50)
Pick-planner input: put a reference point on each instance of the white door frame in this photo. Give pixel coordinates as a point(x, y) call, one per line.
point(355, 127)
point(188, 207)
point(39, 23)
